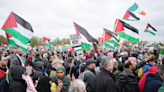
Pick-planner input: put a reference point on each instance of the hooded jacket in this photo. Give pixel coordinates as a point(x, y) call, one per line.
point(18, 84)
point(153, 83)
point(38, 70)
point(141, 83)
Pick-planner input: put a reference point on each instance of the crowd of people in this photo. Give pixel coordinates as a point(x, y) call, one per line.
point(41, 70)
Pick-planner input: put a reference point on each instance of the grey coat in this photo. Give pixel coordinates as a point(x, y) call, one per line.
point(15, 62)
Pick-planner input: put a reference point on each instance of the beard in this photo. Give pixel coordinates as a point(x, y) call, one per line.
point(20, 54)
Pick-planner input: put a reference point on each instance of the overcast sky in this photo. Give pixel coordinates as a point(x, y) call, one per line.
point(54, 18)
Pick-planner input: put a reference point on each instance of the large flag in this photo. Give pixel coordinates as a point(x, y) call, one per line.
point(161, 53)
point(110, 37)
point(86, 38)
point(150, 29)
point(20, 30)
point(130, 16)
point(45, 42)
point(126, 31)
point(135, 8)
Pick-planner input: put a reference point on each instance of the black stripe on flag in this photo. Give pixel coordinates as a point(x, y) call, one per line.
point(152, 28)
point(22, 22)
point(129, 27)
point(112, 34)
point(76, 46)
point(133, 15)
point(85, 33)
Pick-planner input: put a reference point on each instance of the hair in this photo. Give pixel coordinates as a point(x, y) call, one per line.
point(76, 86)
point(127, 64)
point(98, 62)
point(160, 70)
point(105, 61)
point(124, 58)
point(70, 60)
point(121, 67)
point(0, 57)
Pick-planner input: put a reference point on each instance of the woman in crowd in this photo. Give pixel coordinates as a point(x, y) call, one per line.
point(61, 82)
point(44, 84)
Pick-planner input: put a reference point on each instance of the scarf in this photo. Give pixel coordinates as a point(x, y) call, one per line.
point(64, 79)
point(22, 64)
point(30, 84)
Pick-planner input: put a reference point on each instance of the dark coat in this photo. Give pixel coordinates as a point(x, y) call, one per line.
point(38, 70)
point(15, 62)
point(2, 79)
point(153, 83)
point(18, 84)
point(104, 82)
point(127, 82)
point(89, 79)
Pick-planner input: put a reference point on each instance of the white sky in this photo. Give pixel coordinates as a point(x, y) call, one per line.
point(54, 18)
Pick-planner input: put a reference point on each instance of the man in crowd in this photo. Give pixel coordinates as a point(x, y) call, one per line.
point(89, 76)
point(104, 81)
point(17, 60)
point(127, 80)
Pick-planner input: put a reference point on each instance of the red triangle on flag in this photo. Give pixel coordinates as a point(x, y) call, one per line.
point(48, 40)
point(7, 43)
point(10, 22)
point(106, 36)
point(8, 35)
point(38, 45)
point(63, 44)
point(76, 30)
point(43, 40)
point(128, 42)
point(99, 39)
point(118, 26)
point(133, 43)
point(126, 15)
point(2, 44)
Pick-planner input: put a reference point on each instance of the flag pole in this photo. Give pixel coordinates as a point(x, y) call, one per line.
point(142, 35)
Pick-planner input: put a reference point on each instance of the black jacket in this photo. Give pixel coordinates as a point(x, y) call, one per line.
point(18, 84)
point(127, 81)
point(104, 82)
point(38, 72)
point(89, 79)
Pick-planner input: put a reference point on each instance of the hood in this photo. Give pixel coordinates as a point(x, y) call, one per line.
point(38, 65)
point(17, 72)
point(151, 77)
point(153, 69)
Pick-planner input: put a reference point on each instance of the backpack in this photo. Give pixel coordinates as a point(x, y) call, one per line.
point(81, 77)
point(140, 73)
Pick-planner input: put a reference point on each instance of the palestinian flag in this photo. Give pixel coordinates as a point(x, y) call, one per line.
point(150, 29)
point(86, 38)
point(45, 42)
point(126, 31)
point(135, 8)
point(130, 16)
point(141, 43)
point(110, 37)
point(7, 44)
point(161, 53)
point(52, 42)
point(20, 30)
point(99, 39)
point(109, 45)
point(129, 43)
point(2, 44)
point(15, 42)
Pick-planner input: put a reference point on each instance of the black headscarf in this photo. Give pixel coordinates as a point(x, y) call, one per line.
point(43, 84)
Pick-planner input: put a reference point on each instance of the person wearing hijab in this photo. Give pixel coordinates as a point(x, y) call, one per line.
point(44, 84)
point(61, 82)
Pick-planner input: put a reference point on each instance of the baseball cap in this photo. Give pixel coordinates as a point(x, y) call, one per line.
point(90, 61)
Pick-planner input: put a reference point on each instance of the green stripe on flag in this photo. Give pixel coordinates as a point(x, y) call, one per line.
point(127, 37)
point(150, 32)
point(86, 46)
point(161, 51)
point(17, 35)
point(11, 42)
point(107, 45)
point(113, 42)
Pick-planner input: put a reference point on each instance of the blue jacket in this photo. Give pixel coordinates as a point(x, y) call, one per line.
point(74, 69)
point(153, 83)
point(146, 67)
